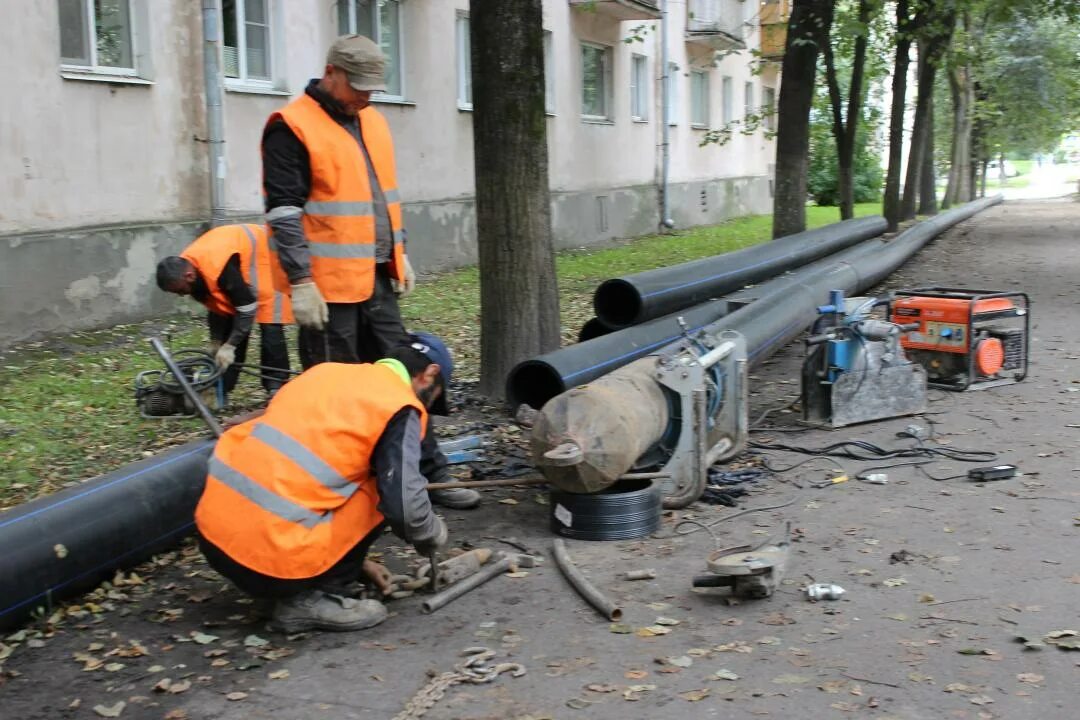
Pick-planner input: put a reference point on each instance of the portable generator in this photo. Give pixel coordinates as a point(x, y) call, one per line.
point(158, 395)
point(966, 339)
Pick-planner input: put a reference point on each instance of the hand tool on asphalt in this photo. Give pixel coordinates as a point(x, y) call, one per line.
point(502, 563)
point(966, 339)
point(855, 369)
point(581, 584)
point(750, 572)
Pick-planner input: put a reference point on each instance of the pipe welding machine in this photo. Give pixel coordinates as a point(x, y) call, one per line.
point(966, 339)
point(856, 370)
point(159, 395)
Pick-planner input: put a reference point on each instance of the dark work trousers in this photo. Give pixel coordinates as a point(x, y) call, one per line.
point(363, 333)
point(274, 351)
point(346, 570)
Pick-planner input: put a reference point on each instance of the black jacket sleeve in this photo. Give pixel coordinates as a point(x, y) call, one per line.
point(403, 496)
point(286, 185)
point(232, 283)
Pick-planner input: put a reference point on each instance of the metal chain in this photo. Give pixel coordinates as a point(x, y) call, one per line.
point(474, 669)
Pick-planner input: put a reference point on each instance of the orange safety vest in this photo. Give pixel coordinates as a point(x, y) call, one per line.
point(212, 250)
point(289, 493)
point(339, 216)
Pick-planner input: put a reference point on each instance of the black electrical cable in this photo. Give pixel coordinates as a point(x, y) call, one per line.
point(847, 449)
point(710, 525)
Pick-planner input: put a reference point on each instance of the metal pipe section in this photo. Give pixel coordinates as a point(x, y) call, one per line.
point(633, 299)
point(665, 125)
point(215, 122)
point(580, 583)
point(593, 420)
point(472, 582)
point(70, 541)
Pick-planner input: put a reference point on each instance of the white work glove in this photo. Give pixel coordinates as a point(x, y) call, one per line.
point(438, 540)
point(225, 356)
point(308, 306)
point(403, 288)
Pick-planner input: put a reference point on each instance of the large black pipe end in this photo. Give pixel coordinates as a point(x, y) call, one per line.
point(593, 329)
point(617, 303)
point(533, 383)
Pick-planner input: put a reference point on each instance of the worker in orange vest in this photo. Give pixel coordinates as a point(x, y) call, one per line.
point(332, 202)
point(229, 270)
point(295, 498)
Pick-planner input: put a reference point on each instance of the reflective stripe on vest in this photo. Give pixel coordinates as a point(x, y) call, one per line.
point(308, 461)
point(268, 501)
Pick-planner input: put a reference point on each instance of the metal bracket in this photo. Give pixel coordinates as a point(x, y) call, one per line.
point(706, 436)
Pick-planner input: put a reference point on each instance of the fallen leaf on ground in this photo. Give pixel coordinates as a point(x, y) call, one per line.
point(633, 693)
point(655, 630)
point(666, 621)
point(255, 641)
point(620, 628)
point(180, 686)
point(845, 706)
point(776, 618)
point(635, 674)
point(508, 501)
point(927, 598)
point(898, 616)
point(578, 703)
point(110, 711)
point(980, 700)
point(725, 675)
point(894, 582)
point(597, 688)
point(236, 696)
point(960, 688)
point(114, 667)
point(517, 574)
point(682, 661)
point(1032, 678)
point(833, 686)
point(790, 679)
point(278, 675)
point(202, 638)
point(695, 695)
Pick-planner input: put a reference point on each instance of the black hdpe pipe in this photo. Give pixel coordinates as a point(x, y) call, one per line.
point(630, 300)
point(610, 444)
point(59, 545)
point(539, 379)
point(594, 328)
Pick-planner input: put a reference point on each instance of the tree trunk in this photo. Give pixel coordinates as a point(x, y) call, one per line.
point(960, 166)
point(896, 121)
point(928, 176)
point(519, 299)
point(844, 132)
point(808, 29)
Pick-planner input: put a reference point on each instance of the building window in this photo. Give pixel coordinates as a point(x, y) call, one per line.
point(549, 75)
point(673, 93)
point(748, 109)
point(246, 42)
point(770, 109)
point(596, 81)
point(727, 97)
point(464, 62)
point(96, 36)
point(639, 87)
point(699, 98)
point(379, 20)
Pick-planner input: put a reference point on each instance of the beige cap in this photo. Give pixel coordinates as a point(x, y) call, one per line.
point(362, 61)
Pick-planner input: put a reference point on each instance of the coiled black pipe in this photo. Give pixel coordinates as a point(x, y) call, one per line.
point(628, 509)
point(70, 541)
point(625, 301)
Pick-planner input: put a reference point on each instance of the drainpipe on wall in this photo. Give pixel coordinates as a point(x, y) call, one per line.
point(215, 124)
point(665, 143)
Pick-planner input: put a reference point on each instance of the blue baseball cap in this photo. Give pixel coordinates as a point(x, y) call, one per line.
point(436, 351)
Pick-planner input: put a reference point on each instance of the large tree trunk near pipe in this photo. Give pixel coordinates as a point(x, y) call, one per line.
point(808, 29)
point(899, 107)
point(928, 177)
point(519, 296)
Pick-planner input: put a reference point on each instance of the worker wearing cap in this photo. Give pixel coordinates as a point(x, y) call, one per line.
point(332, 202)
point(295, 498)
point(228, 269)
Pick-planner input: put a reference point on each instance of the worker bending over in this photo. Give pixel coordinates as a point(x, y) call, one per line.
point(295, 499)
point(228, 269)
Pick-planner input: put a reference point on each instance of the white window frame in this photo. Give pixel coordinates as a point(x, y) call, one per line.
point(376, 24)
point(768, 104)
point(673, 93)
point(639, 87)
point(463, 49)
point(699, 99)
point(549, 73)
point(139, 73)
point(748, 99)
point(607, 69)
point(243, 83)
point(727, 99)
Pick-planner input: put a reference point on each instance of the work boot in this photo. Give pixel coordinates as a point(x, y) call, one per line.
point(455, 498)
point(318, 610)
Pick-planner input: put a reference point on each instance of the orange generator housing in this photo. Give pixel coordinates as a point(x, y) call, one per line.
point(966, 339)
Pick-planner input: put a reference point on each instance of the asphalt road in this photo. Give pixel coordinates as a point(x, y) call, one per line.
point(941, 578)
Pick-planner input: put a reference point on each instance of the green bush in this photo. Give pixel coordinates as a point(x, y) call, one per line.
point(822, 177)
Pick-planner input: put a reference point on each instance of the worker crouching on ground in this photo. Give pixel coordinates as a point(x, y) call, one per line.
point(333, 205)
point(295, 499)
point(229, 270)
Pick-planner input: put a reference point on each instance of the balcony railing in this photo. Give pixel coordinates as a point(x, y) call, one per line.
point(621, 9)
point(716, 23)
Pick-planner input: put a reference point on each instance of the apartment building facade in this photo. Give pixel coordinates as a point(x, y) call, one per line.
point(106, 165)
